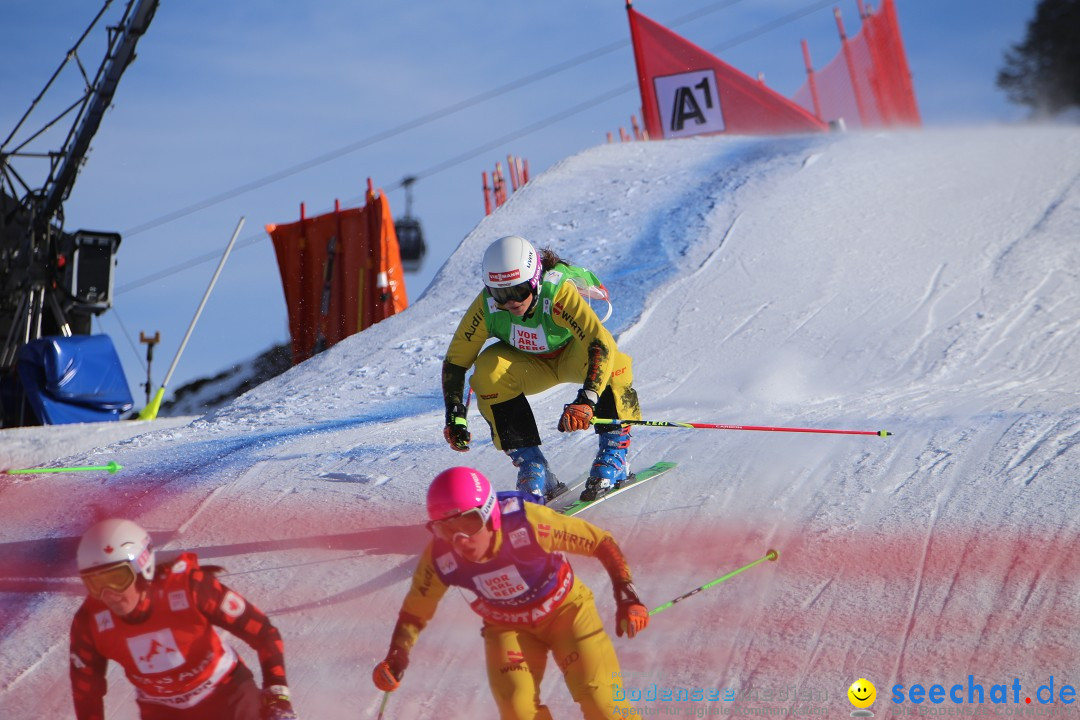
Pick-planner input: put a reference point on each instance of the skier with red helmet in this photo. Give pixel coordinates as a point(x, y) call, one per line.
point(158, 622)
point(548, 334)
point(509, 551)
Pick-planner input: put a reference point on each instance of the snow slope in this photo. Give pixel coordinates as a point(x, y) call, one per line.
point(923, 283)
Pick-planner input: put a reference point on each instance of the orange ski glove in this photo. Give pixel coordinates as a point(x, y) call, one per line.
point(578, 414)
point(387, 674)
point(631, 617)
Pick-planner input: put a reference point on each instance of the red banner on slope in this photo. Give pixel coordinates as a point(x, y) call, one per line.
point(686, 90)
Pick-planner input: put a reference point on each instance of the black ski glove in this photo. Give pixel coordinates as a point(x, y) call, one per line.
point(456, 431)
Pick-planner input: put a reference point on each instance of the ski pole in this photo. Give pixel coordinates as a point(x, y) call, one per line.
point(770, 555)
point(382, 707)
point(150, 411)
point(112, 467)
point(468, 394)
point(710, 426)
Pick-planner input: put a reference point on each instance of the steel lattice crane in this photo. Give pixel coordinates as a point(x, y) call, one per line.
point(51, 281)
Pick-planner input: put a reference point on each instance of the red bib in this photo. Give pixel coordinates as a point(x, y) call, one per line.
point(174, 657)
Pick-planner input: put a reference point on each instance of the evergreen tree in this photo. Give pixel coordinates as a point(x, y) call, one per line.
point(1043, 72)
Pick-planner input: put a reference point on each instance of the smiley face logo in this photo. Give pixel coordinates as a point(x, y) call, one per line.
point(862, 694)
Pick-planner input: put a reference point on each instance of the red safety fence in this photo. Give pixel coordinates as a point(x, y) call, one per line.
point(495, 194)
point(868, 83)
point(638, 133)
point(341, 273)
point(687, 91)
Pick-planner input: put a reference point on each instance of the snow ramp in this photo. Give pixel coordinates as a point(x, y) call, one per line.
point(923, 283)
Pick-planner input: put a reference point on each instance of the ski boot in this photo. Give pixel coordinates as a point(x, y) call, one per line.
point(534, 475)
point(610, 468)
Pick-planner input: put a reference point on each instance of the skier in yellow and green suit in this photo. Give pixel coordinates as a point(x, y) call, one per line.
point(548, 335)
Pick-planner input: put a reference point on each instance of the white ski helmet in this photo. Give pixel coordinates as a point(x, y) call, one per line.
point(115, 541)
point(511, 261)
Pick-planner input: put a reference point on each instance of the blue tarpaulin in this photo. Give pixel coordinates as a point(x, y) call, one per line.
point(73, 379)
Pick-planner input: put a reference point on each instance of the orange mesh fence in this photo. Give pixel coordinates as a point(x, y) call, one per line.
point(341, 272)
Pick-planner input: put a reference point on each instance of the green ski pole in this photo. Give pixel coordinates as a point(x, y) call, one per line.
point(382, 707)
point(112, 467)
point(770, 555)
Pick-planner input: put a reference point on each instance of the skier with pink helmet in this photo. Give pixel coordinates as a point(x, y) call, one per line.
point(509, 552)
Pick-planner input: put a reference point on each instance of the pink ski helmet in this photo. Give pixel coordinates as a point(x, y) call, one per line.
point(460, 489)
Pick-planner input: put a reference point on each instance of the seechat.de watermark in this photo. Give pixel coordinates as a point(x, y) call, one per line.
point(969, 698)
point(975, 693)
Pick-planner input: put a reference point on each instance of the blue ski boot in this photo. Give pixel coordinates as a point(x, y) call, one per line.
point(610, 467)
point(534, 475)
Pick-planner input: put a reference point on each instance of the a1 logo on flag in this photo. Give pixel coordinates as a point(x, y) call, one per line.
point(689, 103)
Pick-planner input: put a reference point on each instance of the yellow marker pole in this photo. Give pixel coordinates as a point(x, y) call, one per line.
point(150, 411)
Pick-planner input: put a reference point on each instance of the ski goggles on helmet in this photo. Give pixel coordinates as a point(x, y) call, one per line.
point(117, 577)
point(467, 523)
point(514, 293)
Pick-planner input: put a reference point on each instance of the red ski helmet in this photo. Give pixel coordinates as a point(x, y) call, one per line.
point(460, 489)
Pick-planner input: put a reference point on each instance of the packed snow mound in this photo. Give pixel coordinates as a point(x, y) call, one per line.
point(920, 282)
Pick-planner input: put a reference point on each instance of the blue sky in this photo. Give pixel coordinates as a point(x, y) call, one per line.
point(225, 97)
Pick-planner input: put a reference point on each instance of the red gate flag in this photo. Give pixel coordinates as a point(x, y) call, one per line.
point(686, 90)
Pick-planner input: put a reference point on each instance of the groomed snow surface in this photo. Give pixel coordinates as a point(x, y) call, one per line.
point(920, 282)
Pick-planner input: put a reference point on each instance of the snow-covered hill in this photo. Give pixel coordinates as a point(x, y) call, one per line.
point(923, 283)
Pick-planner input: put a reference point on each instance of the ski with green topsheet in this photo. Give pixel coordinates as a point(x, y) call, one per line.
point(636, 479)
